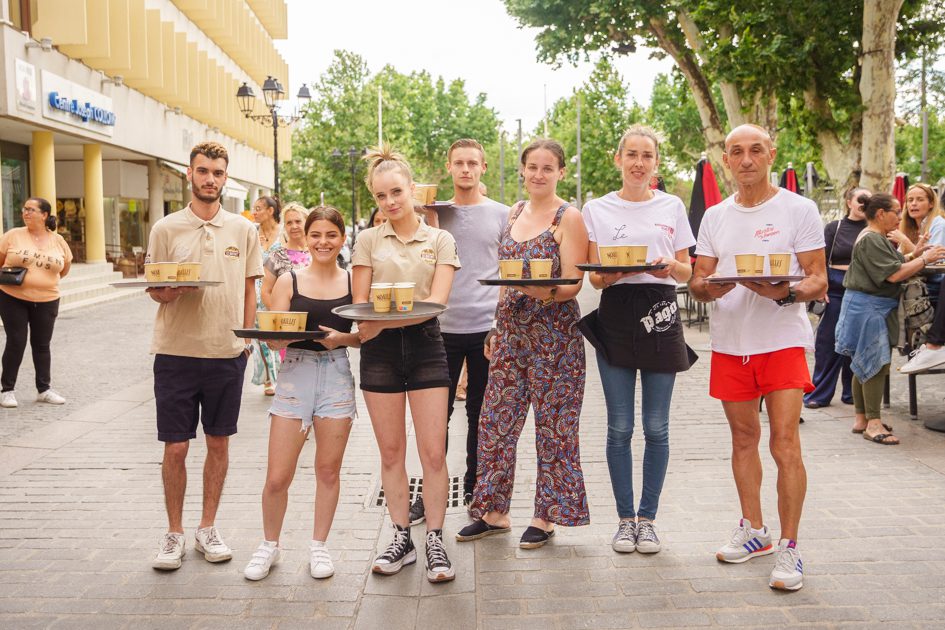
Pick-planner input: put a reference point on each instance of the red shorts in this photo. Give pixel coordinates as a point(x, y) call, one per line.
point(736, 379)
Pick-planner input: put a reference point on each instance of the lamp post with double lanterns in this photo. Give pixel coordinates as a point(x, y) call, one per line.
point(354, 155)
point(273, 92)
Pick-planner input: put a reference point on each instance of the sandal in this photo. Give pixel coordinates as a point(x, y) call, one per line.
point(269, 390)
point(880, 438)
point(858, 431)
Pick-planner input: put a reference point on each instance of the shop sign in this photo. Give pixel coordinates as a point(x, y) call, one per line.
point(25, 86)
point(76, 105)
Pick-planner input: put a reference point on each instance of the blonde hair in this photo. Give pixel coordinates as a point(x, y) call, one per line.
point(640, 130)
point(294, 206)
point(383, 159)
point(908, 226)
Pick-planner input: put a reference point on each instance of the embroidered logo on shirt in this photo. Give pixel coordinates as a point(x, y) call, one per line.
point(428, 256)
point(661, 317)
point(619, 232)
point(766, 233)
point(669, 230)
point(231, 252)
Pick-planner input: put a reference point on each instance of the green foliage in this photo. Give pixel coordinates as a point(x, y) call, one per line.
point(673, 113)
point(421, 118)
point(909, 147)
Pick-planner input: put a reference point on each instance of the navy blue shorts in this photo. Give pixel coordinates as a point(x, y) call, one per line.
point(405, 359)
point(189, 390)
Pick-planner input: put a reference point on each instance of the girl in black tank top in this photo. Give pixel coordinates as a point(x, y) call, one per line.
point(320, 316)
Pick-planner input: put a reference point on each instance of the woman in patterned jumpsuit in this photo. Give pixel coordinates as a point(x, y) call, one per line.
point(538, 360)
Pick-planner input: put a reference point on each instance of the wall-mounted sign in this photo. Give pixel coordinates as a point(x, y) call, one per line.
point(25, 86)
point(77, 105)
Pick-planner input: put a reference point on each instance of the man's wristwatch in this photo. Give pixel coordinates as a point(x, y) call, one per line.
point(791, 298)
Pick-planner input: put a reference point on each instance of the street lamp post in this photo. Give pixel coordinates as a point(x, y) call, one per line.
point(354, 155)
point(273, 92)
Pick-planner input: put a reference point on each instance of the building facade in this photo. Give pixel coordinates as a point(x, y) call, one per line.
point(102, 100)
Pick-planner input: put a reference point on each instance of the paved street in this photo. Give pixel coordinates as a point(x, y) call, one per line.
point(81, 513)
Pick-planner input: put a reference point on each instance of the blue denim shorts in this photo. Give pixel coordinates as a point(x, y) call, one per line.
point(314, 384)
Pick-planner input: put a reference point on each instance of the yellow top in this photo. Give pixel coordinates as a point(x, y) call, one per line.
point(200, 323)
point(395, 260)
point(41, 283)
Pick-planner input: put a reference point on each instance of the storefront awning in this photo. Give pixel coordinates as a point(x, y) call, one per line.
point(235, 190)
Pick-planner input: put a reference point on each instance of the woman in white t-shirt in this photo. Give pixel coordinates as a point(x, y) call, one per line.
point(637, 328)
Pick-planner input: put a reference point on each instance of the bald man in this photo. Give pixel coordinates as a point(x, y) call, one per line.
point(759, 334)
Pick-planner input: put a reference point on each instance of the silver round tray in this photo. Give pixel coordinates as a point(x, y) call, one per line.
point(366, 312)
point(772, 279)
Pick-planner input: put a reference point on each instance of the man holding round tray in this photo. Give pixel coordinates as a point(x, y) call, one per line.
point(198, 361)
point(476, 222)
point(759, 333)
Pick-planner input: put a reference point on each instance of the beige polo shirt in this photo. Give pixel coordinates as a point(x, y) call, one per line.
point(200, 324)
point(394, 260)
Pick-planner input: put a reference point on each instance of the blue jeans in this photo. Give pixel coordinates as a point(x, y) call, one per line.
point(619, 389)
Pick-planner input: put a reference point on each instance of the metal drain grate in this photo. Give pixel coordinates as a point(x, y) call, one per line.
point(454, 498)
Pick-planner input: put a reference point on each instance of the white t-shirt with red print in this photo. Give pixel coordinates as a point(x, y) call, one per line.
point(742, 322)
point(659, 223)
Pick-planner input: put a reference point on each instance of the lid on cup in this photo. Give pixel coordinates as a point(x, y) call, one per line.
point(404, 285)
point(381, 285)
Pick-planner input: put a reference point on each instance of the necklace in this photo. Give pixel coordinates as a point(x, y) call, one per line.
point(265, 237)
point(771, 193)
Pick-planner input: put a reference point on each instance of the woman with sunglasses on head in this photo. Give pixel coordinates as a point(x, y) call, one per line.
point(31, 305)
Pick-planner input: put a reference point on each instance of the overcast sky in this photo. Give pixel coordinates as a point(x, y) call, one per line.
point(473, 40)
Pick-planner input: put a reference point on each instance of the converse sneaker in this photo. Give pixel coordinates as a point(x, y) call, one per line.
point(745, 544)
point(8, 399)
point(399, 552)
point(264, 558)
point(417, 513)
point(211, 545)
point(170, 552)
point(788, 573)
point(320, 565)
point(51, 397)
point(625, 540)
point(647, 540)
point(439, 568)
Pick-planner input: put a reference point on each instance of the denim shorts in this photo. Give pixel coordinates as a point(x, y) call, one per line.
point(405, 359)
point(314, 384)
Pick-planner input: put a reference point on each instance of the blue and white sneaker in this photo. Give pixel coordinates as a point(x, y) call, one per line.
point(788, 573)
point(745, 544)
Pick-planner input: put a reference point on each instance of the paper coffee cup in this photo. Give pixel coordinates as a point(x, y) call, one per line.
point(540, 268)
point(267, 320)
point(759, 264)
point(291, 321)
point(381, 296)
point(780, 264)
point(188, 272)
point(745, 264)
point(613, 256)
point(403, 296)
point(510, 269)
point(637, 255)
point(161, 272)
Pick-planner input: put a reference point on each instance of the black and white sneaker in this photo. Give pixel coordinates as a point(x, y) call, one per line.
point(399, 552)
point(417, 513)
point(439, 568)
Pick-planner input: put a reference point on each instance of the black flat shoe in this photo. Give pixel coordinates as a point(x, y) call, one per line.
point(535, 537)
point(480, 529)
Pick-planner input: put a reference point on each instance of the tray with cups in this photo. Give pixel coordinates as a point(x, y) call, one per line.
point(168, 274)
point(621, 268)
point(390, 301)
point(511, 274)
point(622, 259)
point(280, 325)
point(751, 268)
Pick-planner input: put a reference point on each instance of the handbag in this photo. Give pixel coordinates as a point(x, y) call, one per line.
point(12, 275)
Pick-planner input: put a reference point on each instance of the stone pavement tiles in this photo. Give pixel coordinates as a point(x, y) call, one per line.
point(81, 512)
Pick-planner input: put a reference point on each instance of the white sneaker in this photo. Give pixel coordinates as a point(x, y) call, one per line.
point(745, 544)
point(625, 540)
point(8, 400)
point(788, 573)
point(924, 359)
point(320, 565)
point(51, 397)
point(211, 545)
point(265, 556)
point(170, 552)
point(647, 540)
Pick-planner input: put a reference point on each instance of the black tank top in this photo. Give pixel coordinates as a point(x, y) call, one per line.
point(319, 314)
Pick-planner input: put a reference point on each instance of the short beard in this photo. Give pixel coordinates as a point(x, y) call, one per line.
point(206, 199)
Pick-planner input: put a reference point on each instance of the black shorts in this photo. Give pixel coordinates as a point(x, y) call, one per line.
point(405, 359)
point(189, 390)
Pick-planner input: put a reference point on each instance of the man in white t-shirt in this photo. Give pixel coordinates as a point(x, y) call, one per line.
point(759, 334)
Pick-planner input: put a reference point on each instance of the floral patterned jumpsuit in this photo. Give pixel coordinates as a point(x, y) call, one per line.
point(538, 360)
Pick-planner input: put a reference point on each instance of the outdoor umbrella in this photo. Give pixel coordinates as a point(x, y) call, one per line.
point(789, 178)
point(657, 183)
point(900, 186)
point(705, 194)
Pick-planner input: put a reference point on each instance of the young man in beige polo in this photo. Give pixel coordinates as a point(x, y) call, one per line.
point(198, 361)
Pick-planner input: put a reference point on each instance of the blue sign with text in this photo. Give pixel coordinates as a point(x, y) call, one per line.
point(85, 111)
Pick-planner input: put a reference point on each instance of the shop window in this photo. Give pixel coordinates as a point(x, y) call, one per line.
point(15, 189)
point(71, 214)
